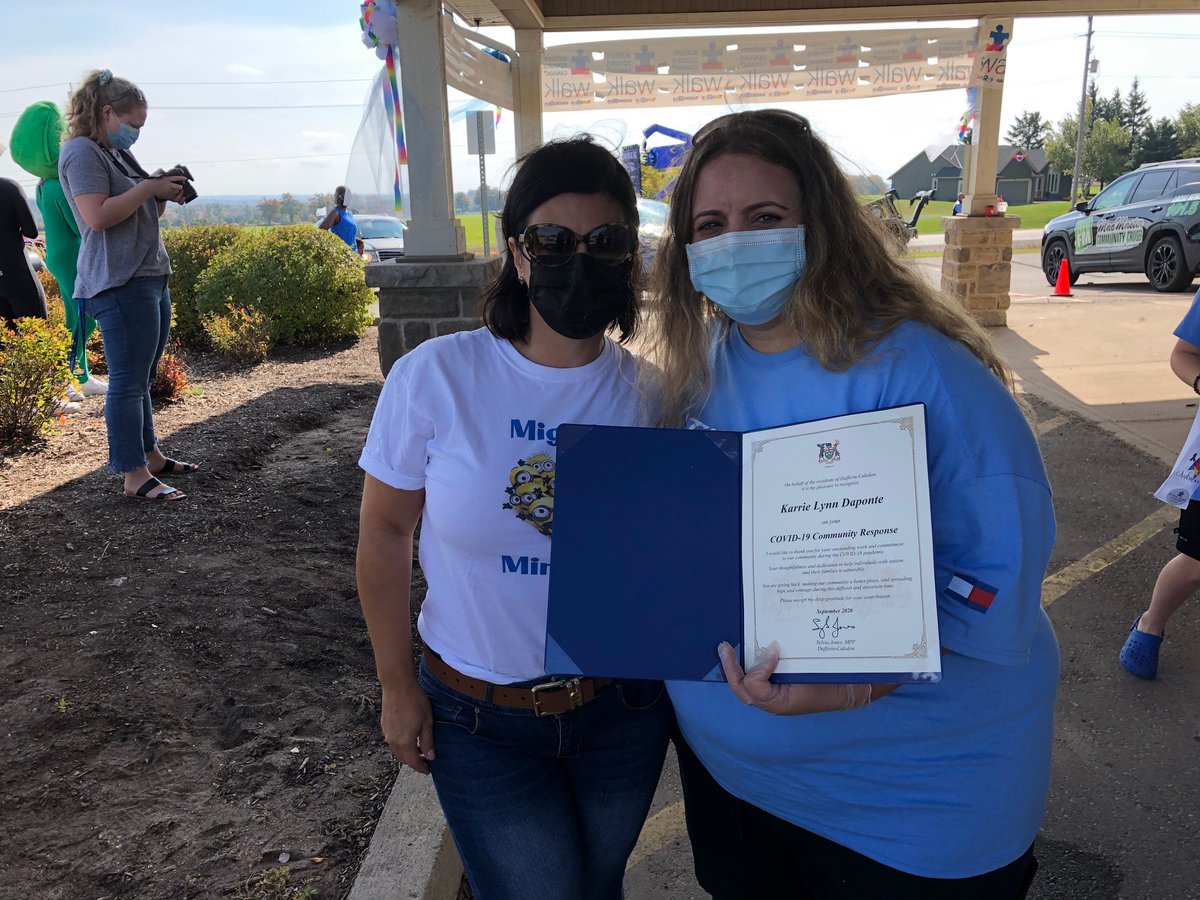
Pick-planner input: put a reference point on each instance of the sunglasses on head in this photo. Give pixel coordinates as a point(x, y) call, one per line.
point(135, 93)
point(554, 245)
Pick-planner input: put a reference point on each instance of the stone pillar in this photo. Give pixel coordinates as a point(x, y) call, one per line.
point(977, 264)
point(420, 300)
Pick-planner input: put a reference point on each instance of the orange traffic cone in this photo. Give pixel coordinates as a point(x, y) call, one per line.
point(1063, 287)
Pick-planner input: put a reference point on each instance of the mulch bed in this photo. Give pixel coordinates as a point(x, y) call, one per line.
point(187, 692)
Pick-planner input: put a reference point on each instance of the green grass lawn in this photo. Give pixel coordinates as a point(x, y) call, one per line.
point(1033, 215)
point(472, 223)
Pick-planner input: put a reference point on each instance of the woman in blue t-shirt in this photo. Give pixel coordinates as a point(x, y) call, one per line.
point(341, 222)
point(781, 301)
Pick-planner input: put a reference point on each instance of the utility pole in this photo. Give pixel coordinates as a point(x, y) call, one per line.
point(1087, 59)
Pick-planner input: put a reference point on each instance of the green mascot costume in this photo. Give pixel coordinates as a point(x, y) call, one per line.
point(34, 146)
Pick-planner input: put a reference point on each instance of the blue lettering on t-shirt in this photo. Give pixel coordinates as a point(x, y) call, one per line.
point(533, 430)
point(523, 565)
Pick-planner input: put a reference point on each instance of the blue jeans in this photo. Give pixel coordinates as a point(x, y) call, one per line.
point(548, 808)
point(134, 320)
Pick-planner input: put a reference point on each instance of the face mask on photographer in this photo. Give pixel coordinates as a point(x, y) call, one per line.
point(748, 274)
point(124, 137)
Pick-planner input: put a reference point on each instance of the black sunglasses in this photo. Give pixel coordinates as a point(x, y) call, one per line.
point(554, 245)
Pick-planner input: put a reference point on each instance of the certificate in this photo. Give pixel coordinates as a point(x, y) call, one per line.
point(837, 562)
point(815, 535)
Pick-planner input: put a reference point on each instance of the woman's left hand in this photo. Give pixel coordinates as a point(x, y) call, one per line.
point(755, 688)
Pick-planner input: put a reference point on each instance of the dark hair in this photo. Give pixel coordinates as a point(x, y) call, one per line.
point(339, 195)
point(575, 166)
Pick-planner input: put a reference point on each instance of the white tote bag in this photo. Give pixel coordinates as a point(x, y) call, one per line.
point(1185, 474)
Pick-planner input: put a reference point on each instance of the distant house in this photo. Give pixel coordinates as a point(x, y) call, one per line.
point(1022, 176)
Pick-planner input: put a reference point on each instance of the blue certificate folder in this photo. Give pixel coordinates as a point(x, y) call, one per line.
point(646, 571)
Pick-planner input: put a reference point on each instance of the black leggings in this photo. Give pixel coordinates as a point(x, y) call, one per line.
point(20, 292)
point(741, 851)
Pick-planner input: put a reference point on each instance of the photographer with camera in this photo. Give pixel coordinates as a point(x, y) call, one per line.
point(123, 267)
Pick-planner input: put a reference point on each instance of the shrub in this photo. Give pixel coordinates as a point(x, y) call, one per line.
point(55, 315)
point(241, 335)
point(192, 249)
point(49, 286)
point(97, 363)
point(170, 378)
point(33, 376)
point(301, 278)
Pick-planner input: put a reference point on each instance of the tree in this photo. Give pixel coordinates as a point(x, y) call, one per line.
point(1135, 115)
point(1028, 131)
point(290, 209)
point(1105, 151)
point(270, 211)
point(1187, 129)
point(1105, 107)
point(1060, 144)
point(654, 180)
point(318, 201)
point(1159, 142)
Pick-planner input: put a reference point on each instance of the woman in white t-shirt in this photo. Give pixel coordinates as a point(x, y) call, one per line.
point(545, 782)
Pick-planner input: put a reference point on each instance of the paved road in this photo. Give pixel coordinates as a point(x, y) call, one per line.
point(1123, 813)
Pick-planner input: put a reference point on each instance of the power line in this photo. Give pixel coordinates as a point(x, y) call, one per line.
point(154, 108)
point(34, 87)
point(38, 87)
point(1150, 34)
point(301, 106)
point(303, 81)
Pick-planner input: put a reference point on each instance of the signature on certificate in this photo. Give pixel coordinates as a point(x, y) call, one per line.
point(831, 625)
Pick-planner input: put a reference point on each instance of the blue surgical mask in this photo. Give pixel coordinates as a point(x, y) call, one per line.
point(124, 137)
point(749, 274)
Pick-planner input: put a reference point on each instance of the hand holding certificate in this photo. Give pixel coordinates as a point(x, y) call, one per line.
point(813, 536)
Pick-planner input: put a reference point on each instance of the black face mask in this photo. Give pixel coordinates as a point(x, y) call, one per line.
point(582, 298)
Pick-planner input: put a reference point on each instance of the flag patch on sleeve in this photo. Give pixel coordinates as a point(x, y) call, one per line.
point(972, 592)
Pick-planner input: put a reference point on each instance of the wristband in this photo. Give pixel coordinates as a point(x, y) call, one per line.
point(1196, 384)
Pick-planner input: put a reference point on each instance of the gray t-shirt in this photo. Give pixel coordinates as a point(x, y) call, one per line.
point(129, 249)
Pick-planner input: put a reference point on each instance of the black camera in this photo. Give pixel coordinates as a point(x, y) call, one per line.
point(189, 192)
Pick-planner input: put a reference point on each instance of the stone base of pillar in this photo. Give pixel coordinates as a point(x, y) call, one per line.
point(420, 300)
point(977, 264)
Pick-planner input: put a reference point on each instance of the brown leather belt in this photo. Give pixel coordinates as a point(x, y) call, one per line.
point(550, 699)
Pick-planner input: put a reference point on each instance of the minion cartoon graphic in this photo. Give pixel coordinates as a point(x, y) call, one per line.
point(530, 491)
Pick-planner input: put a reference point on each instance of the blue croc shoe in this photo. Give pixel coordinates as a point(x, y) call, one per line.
point(1139, 656)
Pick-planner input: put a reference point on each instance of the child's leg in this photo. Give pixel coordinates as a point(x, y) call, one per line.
point(1178, 580)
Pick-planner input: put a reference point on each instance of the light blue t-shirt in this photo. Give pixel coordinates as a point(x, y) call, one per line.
point(946, 780)
point(1189, 329)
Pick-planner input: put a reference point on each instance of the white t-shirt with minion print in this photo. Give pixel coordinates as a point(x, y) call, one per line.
point(474, 423)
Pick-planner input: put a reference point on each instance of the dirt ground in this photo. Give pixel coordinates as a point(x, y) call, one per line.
point(187, 694)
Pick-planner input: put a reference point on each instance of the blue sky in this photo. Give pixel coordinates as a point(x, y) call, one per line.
point(263, 98)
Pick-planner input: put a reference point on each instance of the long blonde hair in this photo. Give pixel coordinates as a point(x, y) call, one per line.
point(100, 88)
point(855, 288)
